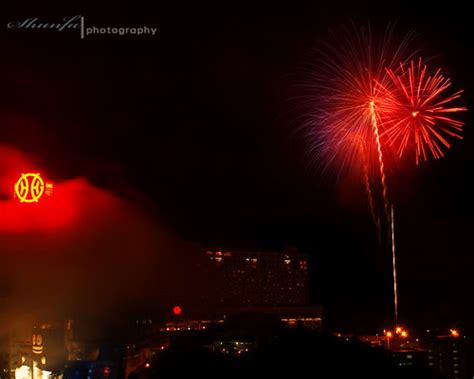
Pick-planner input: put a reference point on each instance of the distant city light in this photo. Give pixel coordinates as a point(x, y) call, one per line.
point(454, 332)
point(23, 372)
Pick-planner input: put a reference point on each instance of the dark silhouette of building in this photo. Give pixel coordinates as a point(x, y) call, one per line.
point(282, 353)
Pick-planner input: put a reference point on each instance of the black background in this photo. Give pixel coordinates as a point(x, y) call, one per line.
point(201, 119)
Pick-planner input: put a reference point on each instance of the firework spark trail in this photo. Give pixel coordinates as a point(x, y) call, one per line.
point(389, 214)
point(373, 120)
point(394, 264)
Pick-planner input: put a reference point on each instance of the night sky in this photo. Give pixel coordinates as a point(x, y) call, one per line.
point(197, 128)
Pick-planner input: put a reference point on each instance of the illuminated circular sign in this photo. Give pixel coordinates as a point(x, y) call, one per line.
point(29, 188)
point(37, 344)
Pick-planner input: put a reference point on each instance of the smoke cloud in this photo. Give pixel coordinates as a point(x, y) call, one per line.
point(87, 252)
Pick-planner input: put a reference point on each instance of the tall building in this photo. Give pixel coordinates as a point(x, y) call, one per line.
point(449, 354)
point(261, 279)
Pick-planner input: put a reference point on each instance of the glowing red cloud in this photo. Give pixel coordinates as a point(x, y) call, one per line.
point(70, 203)
point(86, 251)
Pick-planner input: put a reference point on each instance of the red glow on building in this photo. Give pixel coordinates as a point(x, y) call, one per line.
point(177, 310)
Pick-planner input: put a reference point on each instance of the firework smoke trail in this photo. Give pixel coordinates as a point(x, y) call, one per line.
point(370, 198)
point(394, 263)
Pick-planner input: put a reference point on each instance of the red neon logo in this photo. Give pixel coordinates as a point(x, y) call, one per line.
point(31, 187)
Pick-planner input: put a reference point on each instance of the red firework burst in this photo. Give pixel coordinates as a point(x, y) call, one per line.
point(347, 88)
point(417, 111)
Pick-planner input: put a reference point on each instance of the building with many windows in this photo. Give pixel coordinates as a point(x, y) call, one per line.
point(261, 279)
point(448, 354)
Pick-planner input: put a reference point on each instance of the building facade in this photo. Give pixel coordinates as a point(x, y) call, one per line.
point(449, 355)
point(261, 279)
